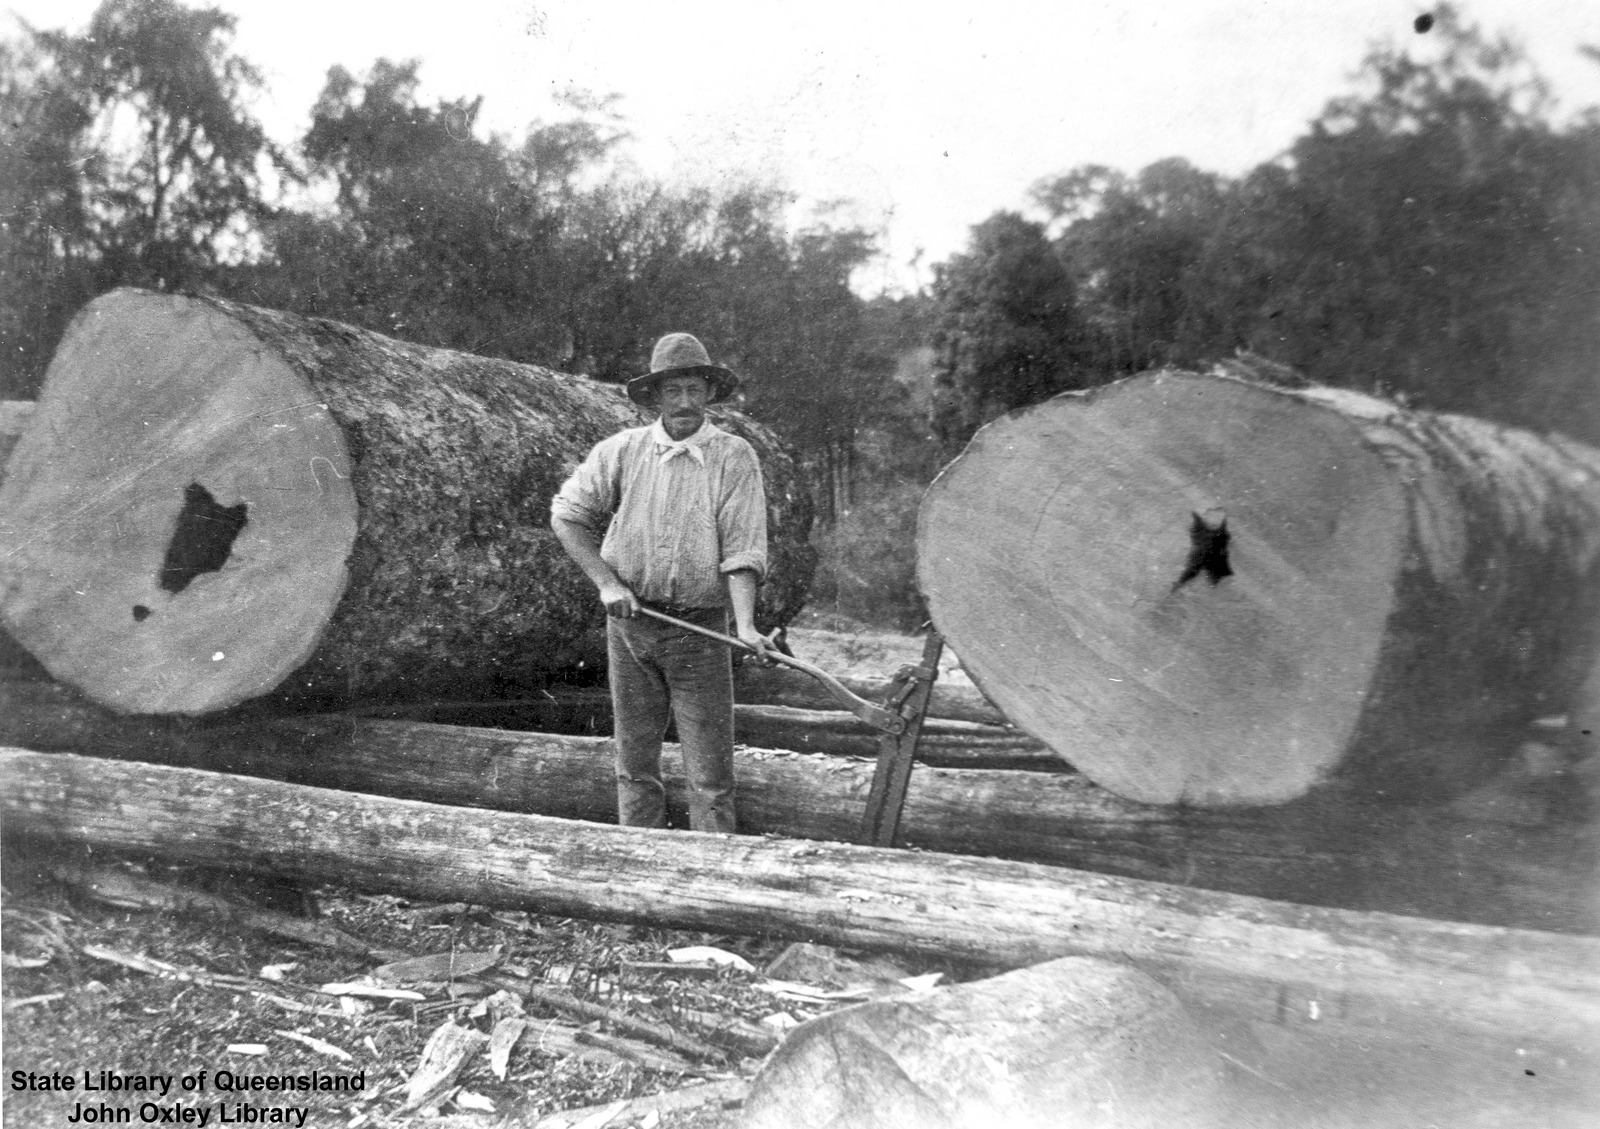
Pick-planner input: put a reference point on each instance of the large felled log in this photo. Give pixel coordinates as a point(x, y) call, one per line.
point(1074, 1041)
point(1212, 591)
point(1532, 869)
point(964, 744)
point(1089, 1043)
point(586, 711)
point(1297, 966)
point(214, 502)
point(784, 686)
point(14, 417)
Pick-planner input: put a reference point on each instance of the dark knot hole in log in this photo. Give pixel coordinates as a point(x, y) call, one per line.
point(202, 540)
point(1208, 551)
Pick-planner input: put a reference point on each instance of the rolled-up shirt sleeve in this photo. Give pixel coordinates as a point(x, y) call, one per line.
point(742, 515)
point(588, 498)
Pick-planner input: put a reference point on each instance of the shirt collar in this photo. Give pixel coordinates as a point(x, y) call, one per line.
point(692, 445)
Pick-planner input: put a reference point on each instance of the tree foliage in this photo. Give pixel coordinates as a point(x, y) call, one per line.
point(1431, 234)
point(1008, 330)
point(544, 252)
point(130, 158)
point(177, 158)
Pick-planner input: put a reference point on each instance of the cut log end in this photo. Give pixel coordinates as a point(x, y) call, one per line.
point(215, 545)
point(1213, 602)
point(1074, 1041)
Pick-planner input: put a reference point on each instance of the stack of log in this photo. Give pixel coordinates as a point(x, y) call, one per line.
point(1510, 860)
point(1199, 984)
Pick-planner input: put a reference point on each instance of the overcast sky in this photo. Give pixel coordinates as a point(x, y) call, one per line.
point(927, 117)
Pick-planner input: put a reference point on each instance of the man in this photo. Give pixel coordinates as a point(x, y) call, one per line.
point(688, 537)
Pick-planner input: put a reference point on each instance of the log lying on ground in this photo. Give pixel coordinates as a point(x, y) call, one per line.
point(1371, 974)
point(943, 742)
point(784, 686)
point(587, 712)
point(14, 418)
point(1074, 1041)
point(1538, 872)
point(1210, 591)
point(214, 502)
point(1085, 1042)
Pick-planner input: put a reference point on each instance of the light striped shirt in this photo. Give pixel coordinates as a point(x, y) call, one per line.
point(682, 513)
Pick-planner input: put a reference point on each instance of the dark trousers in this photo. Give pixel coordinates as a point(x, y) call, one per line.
point(656, 667)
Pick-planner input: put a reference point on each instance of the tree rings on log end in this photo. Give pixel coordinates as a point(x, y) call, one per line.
point(1179, 583)
point(178, 515)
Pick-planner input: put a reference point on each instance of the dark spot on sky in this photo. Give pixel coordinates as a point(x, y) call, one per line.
point(1423, 23)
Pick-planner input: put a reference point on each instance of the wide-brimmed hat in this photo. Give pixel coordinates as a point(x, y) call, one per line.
point(681, 354)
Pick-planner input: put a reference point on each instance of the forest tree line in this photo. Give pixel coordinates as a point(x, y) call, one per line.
point(1431, 236)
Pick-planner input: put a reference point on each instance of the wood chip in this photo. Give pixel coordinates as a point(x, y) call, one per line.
point(372, 991)
point(317, 1045)
point(447, 1050)
point(247, 1048)
point(501, 1043)
point(707, 953)
point(466, 1099)
point(430, 914)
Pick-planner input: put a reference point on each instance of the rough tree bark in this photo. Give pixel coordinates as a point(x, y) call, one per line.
point(214, 502)
point(1296, 966)
point(1507, 863)
point(1211, 591)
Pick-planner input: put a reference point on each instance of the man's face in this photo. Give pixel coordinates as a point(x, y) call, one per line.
point(682, 400)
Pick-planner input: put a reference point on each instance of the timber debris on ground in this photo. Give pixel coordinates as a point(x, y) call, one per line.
point(450, 1014)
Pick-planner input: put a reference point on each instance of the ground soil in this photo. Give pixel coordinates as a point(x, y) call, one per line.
point(68, 1013)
